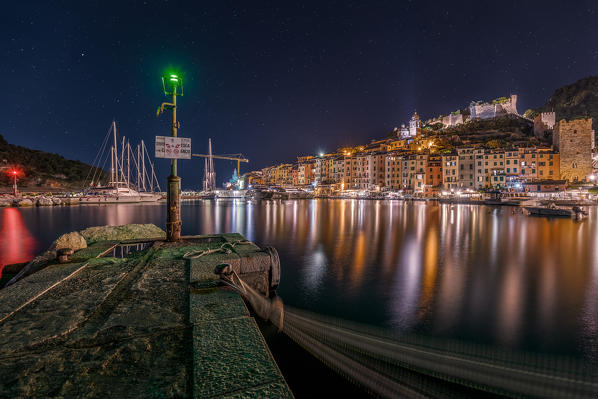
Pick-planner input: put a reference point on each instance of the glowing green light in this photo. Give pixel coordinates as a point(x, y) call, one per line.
point(172, 83)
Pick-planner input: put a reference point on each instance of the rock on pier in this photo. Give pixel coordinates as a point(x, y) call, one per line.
point(131, 317)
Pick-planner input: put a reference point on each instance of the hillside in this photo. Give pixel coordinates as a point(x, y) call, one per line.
point(41, 169)
point(505, 132)
point(579, 99)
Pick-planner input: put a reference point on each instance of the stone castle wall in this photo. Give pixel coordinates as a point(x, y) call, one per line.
point(452, 120)
point(490, 110)
point(573, 140)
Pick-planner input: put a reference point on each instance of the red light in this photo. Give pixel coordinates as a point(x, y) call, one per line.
point(14, 172)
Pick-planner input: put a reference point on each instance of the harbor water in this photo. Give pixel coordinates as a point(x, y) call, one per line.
point(485, 274)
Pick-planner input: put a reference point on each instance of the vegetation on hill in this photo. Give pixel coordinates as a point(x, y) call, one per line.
point(576, 100)
point(41, 169)
point(506, 131)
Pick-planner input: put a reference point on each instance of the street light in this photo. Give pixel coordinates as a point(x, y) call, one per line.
point(172, 84)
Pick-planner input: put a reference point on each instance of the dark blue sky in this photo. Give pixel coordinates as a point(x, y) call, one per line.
point(274, 80)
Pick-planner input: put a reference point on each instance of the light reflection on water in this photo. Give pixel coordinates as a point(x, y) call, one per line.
point(16, 243)
point(480, 273)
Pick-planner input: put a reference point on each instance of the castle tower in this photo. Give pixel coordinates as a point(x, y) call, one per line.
point(414, 125)
point(513, 105)
point(574, 140)
point(544, 124)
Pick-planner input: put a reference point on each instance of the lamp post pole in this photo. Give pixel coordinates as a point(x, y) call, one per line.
point(173, 195)
point(15, 192)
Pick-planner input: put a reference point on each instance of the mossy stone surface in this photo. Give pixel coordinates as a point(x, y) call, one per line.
point(229, 356)
point(215, 304)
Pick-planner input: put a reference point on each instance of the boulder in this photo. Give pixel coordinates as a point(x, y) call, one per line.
point(5, 202)
point(56, 201)
point(125, 232)
point(44, 201)
point(74, 241)
point(24, 202)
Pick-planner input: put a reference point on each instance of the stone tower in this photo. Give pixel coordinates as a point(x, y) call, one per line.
point(544, 123)
point(573, 140)
point(414, 125)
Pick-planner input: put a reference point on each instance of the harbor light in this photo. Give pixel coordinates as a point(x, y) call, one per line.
point(172, 83)
point(14, 173)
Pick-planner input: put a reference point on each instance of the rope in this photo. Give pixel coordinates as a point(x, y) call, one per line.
point(389, 365)
point(226, 248)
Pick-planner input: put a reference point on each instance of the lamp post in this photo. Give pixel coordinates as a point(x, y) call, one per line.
point(173, 86)
point(14, 174)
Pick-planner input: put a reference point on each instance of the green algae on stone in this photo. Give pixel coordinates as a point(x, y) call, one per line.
point(213, 304)
point(120, 233)
point(230, 355)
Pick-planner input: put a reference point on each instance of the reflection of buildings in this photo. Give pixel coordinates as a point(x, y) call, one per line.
point(444, 269)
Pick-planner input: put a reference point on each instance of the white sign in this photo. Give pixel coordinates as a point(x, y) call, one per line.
point(173, 147)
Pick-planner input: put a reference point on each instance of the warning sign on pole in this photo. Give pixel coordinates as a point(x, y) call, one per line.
point(173, 147)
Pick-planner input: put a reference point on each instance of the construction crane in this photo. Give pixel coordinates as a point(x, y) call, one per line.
point(231, 157)
point(209, 173)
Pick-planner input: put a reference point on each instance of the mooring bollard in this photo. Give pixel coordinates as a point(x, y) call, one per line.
point(63, 254)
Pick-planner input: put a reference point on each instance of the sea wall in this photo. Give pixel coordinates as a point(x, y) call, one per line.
point(155, 323)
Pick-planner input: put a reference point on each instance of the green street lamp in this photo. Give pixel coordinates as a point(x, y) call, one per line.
point(172, 84)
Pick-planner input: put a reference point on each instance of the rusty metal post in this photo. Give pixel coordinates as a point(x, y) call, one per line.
point(173, 213)
point(173, 195)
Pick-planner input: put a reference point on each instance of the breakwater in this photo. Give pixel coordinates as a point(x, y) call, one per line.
point(128, 315)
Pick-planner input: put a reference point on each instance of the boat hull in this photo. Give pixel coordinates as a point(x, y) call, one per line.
point(108, 199)
point(540, 211)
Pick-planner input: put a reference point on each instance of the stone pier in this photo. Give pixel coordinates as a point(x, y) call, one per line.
point(131, 317)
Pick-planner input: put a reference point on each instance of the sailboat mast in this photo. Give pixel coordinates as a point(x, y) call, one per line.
point(111, 164)
point(143, 163)
point(122, 159)
point(212, 173)
point(128, 164)
point(138, 169)
point(115, 152)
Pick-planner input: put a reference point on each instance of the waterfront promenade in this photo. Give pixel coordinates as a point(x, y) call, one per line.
point(150, 324)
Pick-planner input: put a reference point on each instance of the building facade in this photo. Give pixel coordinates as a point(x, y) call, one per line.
point(574, 141)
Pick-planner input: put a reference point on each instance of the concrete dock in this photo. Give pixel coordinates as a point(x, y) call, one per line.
point(151, 324)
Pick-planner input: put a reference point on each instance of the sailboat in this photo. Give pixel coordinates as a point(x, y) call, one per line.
point(121, 188)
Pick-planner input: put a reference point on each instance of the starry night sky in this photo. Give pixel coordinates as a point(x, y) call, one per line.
point(274, 80)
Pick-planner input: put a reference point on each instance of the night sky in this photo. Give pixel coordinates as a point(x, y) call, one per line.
point(274, 80)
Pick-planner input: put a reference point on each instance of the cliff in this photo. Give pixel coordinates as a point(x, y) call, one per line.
point(579, 99)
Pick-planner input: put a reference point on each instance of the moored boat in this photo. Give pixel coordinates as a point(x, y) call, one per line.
point(123, 165)
point(557, 211)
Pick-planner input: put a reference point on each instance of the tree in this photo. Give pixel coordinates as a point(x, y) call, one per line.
point(494, 144)
point(530, 114)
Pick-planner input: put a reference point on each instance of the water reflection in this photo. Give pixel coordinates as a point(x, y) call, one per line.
point(16, 243)
point(480, 273)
